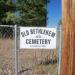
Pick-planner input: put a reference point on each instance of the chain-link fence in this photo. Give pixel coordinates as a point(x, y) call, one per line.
point(38, 62)
point(6, 50)
point(30, 62)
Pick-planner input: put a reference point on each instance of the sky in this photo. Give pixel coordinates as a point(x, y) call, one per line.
point(54, 13)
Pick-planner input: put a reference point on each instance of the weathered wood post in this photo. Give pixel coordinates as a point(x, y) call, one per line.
point(68, 37)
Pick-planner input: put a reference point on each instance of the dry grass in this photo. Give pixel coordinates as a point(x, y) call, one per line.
point(31, 62)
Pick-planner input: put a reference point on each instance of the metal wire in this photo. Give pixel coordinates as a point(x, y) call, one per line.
point(31, 62)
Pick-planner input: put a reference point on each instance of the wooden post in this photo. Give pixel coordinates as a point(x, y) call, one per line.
point(68, 37)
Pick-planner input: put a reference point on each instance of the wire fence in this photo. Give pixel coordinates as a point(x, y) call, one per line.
point(30, 62)
point(6, 50)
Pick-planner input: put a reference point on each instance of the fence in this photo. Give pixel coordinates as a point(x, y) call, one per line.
point(6, 50)
point(26, 62)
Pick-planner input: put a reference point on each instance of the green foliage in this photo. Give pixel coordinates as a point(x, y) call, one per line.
point(23, 12)
point(7, 9)
point(10, 17)
point(32, 12)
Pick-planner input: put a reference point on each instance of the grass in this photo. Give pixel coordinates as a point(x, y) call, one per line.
point(32, 62)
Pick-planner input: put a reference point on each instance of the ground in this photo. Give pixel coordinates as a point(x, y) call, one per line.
point(31, 62)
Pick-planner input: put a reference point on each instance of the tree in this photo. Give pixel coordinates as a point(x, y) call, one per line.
point(32, 12)
point(23, 12)
point(7, 9)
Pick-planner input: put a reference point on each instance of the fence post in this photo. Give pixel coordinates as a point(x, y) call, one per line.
point(16, 52)
point(59, 48)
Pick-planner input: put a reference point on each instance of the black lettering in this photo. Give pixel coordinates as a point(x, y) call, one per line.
point(43, 41)
point(53, 34)
point(33, 41)
point(46, 41)
point(50, 33)
point(46, 32)
point(38, 41)
point(49, 40)
point(32, 31)
point(27, 32)
point(23, 34)
point(36, 32)
point(40, 31)
point(27, 41)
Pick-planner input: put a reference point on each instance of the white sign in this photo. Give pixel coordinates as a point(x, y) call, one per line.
point(37, 38)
